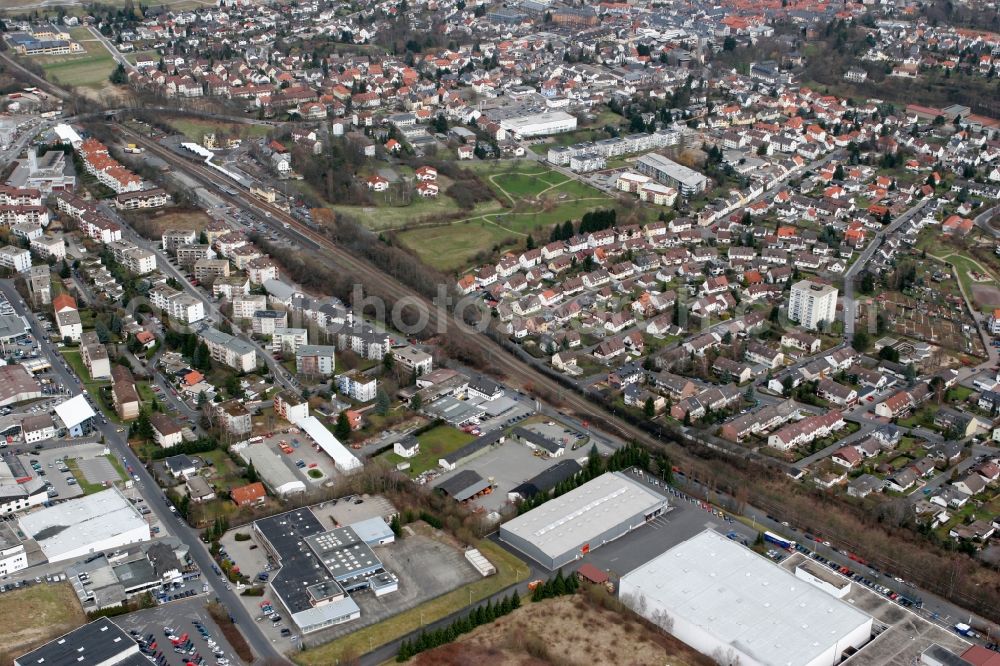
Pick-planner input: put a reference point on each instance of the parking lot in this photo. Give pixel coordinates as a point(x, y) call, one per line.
point(904, 633)
point(98, 470)
point(48, 468)
point(303, 457)
point(509, 464)
point(179, 617)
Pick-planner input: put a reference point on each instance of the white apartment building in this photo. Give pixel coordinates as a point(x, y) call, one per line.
point(177, 305)
point(15, 258)
point(811, 303)
point(224, 348)
point(244, 307)
point(288, 340)
point(356, 386)
point(49, 246)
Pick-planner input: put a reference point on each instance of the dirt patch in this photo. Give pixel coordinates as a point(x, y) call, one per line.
point(152, 224)
point(33, 616)
point(566, 630)
point(986, 296)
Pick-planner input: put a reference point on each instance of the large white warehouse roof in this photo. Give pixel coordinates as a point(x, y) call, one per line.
point(715, 587)
point(342, 457)
point(584, 513)
point(102, 520)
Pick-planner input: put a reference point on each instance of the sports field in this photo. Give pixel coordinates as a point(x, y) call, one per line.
point(86, 70)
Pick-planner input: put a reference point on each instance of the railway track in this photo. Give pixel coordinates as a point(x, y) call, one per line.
point(512, 368)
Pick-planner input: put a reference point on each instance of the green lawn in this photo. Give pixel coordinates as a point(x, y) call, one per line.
point(73, 356)
point(510, 570)
point(525, 186)
point(451, 247)
point(86, 70)
point(380, 217)
point(963, 267)
point(434, 445)
point(195, 128)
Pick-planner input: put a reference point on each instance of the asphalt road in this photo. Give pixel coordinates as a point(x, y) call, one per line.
point(154, 495)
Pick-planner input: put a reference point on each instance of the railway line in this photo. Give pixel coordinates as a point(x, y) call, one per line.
point(513, 369)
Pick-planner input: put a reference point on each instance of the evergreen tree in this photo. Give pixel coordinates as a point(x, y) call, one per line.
point(559, 584)
point(648, 408)
point(343, 428)
point(396, 527)
point(252, 473)
point(382, 403)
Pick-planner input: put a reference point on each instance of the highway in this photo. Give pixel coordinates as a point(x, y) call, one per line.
point(144, 481)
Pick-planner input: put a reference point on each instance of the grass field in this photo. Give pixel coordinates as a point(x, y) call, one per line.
point(565, 630)
point(539, 196)
point(451, 247)
point(85, 70)
point(963, 267)
point(195, 128)
point(152, 224)
point(434, 445)
point(72, 355)
point(510, 570)
point(380, 218)
point(35, 615)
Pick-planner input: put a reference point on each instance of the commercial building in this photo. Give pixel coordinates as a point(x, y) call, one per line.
point(319, 568)
point(464, 486)
point(345, 461)
point(17, 385)
point(98, 643)
point(38, 428)
point(569, 526)
point(16, 496)
point(539, 124)
point(811, 303)
point(722, 598)
point(686, 181)
point(86, 525)
point(75, 415)
point(315, 359)
point(12, 554)
point(272, 469)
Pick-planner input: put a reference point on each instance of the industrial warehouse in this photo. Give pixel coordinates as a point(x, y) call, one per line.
point(722, 598)
point(320, 567)
point(79, 527)
point(569, 526)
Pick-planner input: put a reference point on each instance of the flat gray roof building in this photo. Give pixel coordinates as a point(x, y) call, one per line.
point(569, 526)
point(687, 181)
